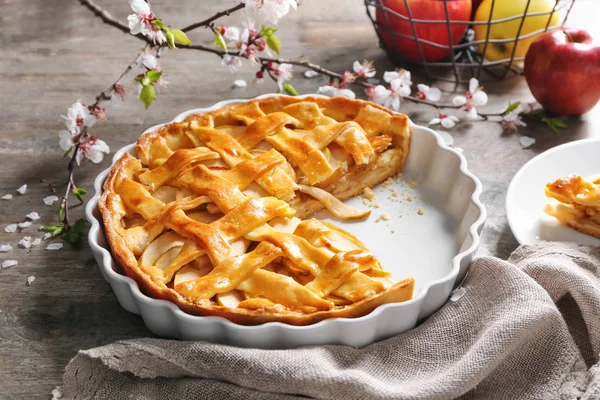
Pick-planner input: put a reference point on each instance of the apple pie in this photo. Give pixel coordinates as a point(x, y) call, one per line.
point(579, 203)
point(212, 213)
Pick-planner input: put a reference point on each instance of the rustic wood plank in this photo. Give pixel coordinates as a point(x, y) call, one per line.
point(54, 52)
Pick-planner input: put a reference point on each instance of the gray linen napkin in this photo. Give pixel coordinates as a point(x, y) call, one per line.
point(526, 328)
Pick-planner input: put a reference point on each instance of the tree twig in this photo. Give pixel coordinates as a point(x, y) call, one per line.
point(107, 18)
point(218, 15)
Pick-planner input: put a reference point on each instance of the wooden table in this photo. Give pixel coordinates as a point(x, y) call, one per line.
point(54, 52)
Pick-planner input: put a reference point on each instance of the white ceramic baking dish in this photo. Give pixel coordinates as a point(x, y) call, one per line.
point(427, 227)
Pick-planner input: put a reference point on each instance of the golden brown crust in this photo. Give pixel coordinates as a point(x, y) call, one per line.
point(579, 205)
point(155, 147)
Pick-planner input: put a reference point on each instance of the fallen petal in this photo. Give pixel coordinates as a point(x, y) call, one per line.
point(22, 189)
point(526, 141)
point(33, 216)
point(12, 228)
point(47, 236)
point(24, 224)
point(310, 74)
point(54, 246)
point(9, 263)
point(30, 280)
point(239, 83)
point(5, 248)
point(7, 197)
point(457, 293)
point(50, 200)
point(25, 243)
point(36, 241)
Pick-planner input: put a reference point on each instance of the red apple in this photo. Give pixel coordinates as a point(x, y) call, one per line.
point(562, 69)
point(388, 23)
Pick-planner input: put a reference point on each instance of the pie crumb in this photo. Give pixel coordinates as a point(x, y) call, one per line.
point(409, 198)
point(421, 211)
point(368, 193)
point(393, 230)
point(382, 217)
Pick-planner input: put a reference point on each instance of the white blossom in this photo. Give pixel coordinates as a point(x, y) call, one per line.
point(392, 97)
point(50, 200)
point(333, 91)
point(403, 76)
point(232, 62)
point(475, 97)
point(308, 74)
point(9, 263)
point(150, 61)
point(22, 189)
point(12, 228)
point(425, 92)
point(94, 150)
point(30, 280)
point(447, 121)
point(283, 73)
point(7, 197)
point(33, 216)
point(364, 70)
point(268, 11)
point(512, 120)
point(5, 248)
point(54, 246)
point(78, 116)
point(141, 21)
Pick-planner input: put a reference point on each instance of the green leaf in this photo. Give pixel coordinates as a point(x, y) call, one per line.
point(154, 75)
point(60, 212)
point(170, 39)
point(158, 23)
point(147, 95)
point(289, 89)
point(220, 41)
point(139, 79)
point(78, 226)
point(181, 37)
point(51, 228)
point(58, 231)
point(512, 106)
point(267, 31)
point(274, 43)
point(79, 193)
point(554, 124)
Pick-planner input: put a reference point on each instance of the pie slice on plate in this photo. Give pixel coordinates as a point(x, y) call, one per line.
point(212, 212)
point(579, 203)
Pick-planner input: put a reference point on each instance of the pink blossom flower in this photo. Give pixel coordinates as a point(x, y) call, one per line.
point(77, 117)
point(119, 90)
point(93, 149)
point(232, 62)
point(512, 120)
point(347, 77)
point(364, 70)
point(447, 121)
point(268, 11)
point(260, 77)
point(333, 91)
point(141, 21)
point(475, 97)
point(392, 97)
point(428, 93)
point(283, 73)
point(98, 112)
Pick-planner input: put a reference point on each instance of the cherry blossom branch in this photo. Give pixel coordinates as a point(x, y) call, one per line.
point(210, 20)
point(107, 18)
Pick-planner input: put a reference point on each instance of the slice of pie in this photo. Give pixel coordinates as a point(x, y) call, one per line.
point(210, 213)
point(579, 205)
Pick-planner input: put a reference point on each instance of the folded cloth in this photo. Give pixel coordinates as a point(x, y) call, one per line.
point(526, 328)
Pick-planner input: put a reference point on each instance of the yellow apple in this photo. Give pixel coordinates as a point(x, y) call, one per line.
point(508, 30)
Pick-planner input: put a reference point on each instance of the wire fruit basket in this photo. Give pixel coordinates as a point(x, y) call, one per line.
point(460, 43)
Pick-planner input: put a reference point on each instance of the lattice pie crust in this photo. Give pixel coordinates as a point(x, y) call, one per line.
point(579, 205)
point(209, 213)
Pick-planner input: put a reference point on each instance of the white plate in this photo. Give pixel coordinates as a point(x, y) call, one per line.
point(525, 198)
point(436, 248)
